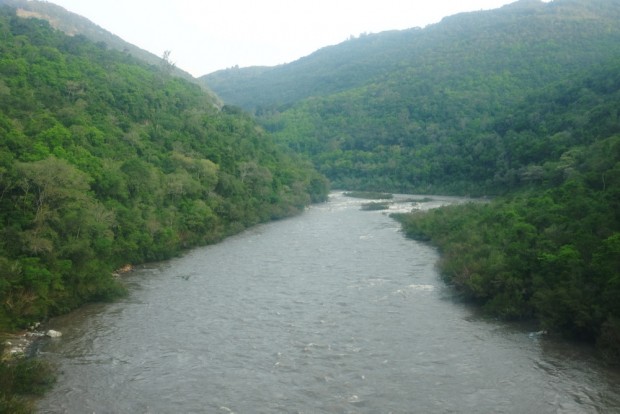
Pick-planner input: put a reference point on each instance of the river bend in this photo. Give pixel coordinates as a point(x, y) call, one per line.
point(333, 311)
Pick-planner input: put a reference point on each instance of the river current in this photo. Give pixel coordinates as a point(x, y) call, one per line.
point(333, 311)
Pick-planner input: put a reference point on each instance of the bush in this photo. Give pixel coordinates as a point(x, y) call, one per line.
point(375, 206)
point(21, 379)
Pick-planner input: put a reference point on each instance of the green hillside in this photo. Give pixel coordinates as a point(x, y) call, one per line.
point(477, 43)
point(73, 24)
point(329, 70)
point(550, 251)
point(106, 161)
point(413, 109)
point(520, 102)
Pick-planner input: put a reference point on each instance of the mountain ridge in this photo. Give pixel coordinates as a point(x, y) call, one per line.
point(439, 87)
point(347, 58)
point(106, 160)
point(74, 24)
point(520, 103)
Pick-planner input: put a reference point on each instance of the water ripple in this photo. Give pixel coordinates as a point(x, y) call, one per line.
point(333, 311)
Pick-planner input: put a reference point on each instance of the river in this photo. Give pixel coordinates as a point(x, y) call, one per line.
point(332, 311)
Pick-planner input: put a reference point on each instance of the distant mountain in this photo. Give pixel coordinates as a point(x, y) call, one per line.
point(329, 70)
point(522, 103)
point(73, 25)
point(562, 32)
point(411, 110)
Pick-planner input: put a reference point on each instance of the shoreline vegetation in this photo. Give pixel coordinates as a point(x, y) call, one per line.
point(106, 160)
point(369, 195)
point(22, 380)
point(547, 259)
point(385, 200)
point(384, 204)
point(376, 206)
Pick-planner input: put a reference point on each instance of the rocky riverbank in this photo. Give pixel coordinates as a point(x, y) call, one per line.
point(20, 344)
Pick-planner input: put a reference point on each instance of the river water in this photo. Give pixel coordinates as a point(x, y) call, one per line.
point(333, 311)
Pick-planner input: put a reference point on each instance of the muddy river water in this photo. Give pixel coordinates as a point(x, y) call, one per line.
point(333, 311)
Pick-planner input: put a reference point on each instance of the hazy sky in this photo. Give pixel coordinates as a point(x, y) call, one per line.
point(206, 35)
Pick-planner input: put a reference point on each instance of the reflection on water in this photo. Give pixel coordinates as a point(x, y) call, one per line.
point(330, 312)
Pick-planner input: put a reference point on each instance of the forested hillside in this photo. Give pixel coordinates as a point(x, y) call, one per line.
point(106, 161)
point(415, 110)
point(550, 251)
point(522, 102)
point(73, 24)
point(477, 43)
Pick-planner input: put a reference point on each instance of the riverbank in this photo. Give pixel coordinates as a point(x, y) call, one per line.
point(22, 377)
point(19, 344)
point(530, 257)
point(22, 344)
point(331, 311)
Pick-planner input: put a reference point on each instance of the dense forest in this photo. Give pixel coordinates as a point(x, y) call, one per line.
point(520, 102)
point(74, 24)
point(551, 250)
point(105, 161)
point(414, 111)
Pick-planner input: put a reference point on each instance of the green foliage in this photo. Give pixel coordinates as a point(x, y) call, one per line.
point(106, 161)
point(30, 376)
point(21, 379)
point(548, 254)
point(370, 195)
point(522, 102)
point(375, 206)
point(456, 107)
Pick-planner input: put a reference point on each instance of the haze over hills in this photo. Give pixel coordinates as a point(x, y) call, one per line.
point(491, 41)
point(362, 110)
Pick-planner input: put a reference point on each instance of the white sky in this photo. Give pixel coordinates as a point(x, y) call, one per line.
point(207, 35)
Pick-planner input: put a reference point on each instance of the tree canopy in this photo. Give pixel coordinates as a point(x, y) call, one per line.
point(418, 110)
point(519, 102)
point(105, 160)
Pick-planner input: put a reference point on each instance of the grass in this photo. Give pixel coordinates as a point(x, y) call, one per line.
point(21, 379)
point(375, 206)
point(369, 195)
